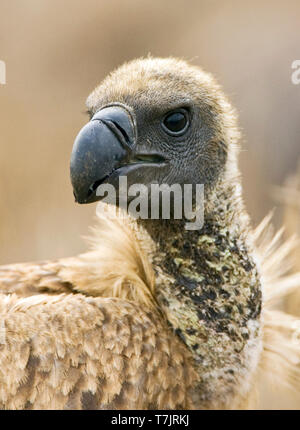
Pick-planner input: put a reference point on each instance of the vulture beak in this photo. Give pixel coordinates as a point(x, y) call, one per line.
point(102, 146)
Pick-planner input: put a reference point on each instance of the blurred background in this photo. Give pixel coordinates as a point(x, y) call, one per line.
point(57, 52)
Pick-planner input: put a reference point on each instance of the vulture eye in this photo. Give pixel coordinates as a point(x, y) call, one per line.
point(176, 122)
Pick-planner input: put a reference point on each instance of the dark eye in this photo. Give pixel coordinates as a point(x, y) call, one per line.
point(175, 123)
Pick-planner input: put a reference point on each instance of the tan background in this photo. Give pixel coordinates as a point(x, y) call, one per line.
point(57, 51)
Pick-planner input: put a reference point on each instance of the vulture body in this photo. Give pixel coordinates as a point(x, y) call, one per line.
point(153, 316)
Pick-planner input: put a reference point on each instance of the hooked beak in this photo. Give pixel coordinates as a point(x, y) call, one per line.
point(102, 146)
point(104, 150)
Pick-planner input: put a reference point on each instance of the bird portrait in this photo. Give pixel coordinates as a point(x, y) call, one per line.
point(154, 315)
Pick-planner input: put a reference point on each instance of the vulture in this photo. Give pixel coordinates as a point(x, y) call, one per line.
point(154, 315)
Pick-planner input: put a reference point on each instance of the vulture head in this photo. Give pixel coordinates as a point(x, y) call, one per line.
point(154, 121)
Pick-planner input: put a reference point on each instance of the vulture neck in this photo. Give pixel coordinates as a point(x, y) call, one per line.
point(208, 286)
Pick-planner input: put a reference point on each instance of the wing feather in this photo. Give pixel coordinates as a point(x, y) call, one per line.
point(71, 351)
point(26, 279)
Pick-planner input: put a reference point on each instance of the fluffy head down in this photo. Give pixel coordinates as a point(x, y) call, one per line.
point(150, 88)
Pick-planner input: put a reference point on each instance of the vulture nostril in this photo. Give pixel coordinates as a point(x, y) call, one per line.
point(124, 134)
point(119, 131)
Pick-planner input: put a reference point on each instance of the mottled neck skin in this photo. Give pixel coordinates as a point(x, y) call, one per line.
point(208, 286)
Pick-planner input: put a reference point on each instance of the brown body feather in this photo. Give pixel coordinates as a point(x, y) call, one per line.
point(69, 348)
point(72, 351)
